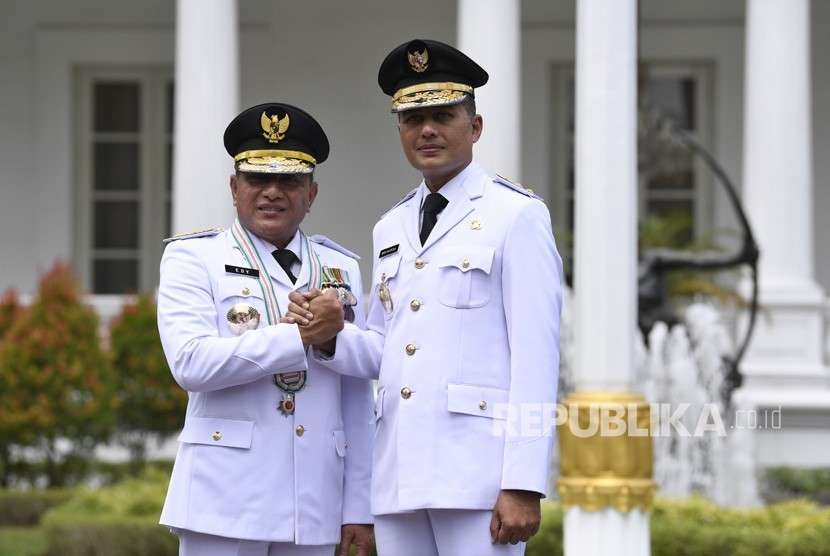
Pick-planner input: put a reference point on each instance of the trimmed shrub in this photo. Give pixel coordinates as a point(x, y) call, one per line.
point(25, 508)
point(54, 379)
point(22, 541)
point(785, 483)
point(121, 520)
point(696, 526)
point(109, 537)
point(548, 541)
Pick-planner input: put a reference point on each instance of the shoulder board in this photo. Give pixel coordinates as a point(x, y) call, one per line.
point(406, 197)
point(323, 240)
point(190, 235)
point(517, 187)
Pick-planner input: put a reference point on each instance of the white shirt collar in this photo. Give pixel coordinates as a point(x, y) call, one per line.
point(295, 245)
point(449, 189)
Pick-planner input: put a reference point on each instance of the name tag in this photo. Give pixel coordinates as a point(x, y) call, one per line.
point(242, 270)
point(388, 250)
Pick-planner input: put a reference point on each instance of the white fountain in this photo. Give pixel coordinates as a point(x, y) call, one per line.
point(697, 448)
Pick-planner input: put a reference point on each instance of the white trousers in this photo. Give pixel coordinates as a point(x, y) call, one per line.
point(439, 533)
point(199, 544)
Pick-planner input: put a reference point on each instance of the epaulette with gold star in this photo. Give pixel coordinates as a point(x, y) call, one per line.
point(190, 235)
point(517, 187)
point(323, 240)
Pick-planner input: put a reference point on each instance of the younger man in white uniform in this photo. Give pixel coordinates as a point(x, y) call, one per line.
point(463, 328)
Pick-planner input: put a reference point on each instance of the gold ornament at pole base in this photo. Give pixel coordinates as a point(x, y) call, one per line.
point(605, 452)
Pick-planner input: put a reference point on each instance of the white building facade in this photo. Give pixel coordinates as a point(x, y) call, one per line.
point(112, 114)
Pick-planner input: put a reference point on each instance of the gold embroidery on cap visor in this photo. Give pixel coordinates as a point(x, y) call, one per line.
point(429, 94)
point(275, 162)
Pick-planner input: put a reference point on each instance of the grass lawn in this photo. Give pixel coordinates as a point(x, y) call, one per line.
point(22, 541)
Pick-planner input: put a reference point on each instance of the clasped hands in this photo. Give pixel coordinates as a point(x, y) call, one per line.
point(319, 316)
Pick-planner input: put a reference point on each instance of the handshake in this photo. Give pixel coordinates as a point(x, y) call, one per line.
point(318, 314)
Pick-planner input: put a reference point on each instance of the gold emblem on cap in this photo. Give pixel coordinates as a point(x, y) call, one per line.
point(418, 61)
point(274, 127)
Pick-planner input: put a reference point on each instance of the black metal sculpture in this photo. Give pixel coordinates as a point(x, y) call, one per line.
point(655, 263)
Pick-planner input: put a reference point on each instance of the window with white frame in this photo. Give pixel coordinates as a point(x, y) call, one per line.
point(124, 142)
point(679, 188)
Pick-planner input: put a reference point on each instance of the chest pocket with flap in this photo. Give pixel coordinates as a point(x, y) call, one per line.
point(231, 287)
point(465, 276)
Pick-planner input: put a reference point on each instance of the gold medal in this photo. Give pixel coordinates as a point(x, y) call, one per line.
point(290, 384)
point(242, 317)
point(384, 294)
point(286, 405)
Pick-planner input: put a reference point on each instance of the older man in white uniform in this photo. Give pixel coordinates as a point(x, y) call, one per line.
point(275, 451)
point(463, 327)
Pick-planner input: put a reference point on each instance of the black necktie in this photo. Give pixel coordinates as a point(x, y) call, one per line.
point(286, 258)
point(433, 204)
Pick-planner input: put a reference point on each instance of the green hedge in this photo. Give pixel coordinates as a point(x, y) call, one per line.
point(25, 508)
point(782, 483)
point(22, 541)
point(696, 527)
point(120, 520)
point(548, 541)
point(115, 536)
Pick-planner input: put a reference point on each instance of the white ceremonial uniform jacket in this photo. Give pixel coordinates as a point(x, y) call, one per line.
point(471, 337)
point(243, 469)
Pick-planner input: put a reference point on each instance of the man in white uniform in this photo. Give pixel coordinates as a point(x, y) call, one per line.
point(463, 328)
point(275, 451)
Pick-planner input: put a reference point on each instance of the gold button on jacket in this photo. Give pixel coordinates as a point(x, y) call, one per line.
point(217, 436)
point(419, 263)
point(300, 430)
point(406, 392)
point(410, 349)
point(415, 304)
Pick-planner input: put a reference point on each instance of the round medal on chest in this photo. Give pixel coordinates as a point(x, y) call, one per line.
point(242, 317)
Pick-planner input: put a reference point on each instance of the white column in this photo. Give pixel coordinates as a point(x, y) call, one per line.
point(784, 366)
point(778, 192)
point(605, 243)
point(605, 234)
point(778, 158)
point(207, 99)
point(489, 33)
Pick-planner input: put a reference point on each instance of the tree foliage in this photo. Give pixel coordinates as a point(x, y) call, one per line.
point(10, 310)
point(54, 378)
point(149, 400)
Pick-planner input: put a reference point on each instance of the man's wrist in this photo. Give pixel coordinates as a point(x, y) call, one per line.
point(523, 492)
point(325, 351)
point(328, 348)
